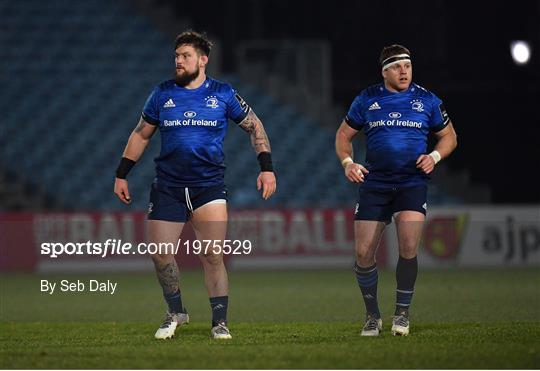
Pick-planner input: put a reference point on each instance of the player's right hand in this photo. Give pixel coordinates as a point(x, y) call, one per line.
point(355, 172)
point(121, 190)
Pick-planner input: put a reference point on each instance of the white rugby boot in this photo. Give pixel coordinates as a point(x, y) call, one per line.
point(400, 324)
point(220, 332)
point(168, 327)
point(372, 326)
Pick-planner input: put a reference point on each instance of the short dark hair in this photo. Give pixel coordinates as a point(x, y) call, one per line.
point(391, 50)
point(198, 40)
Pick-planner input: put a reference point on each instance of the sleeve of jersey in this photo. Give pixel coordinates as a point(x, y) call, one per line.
point(439, 117)
point(237, 108)
point(150, 112)
point(354, 117)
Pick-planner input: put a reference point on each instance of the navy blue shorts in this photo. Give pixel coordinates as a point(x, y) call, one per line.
point(175, 204)
point(381, 203)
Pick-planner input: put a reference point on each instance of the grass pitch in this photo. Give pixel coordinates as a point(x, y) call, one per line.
point(466, 318)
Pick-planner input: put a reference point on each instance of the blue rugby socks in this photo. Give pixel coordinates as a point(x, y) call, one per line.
point(406, 272)
point(367, 280)
point(219, 306)
point(174, 301)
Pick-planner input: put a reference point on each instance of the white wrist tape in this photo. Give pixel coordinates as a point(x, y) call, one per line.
point(346, 161)
point(436, 156)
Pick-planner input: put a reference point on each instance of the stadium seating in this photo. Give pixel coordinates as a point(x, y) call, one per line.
point(73, 85)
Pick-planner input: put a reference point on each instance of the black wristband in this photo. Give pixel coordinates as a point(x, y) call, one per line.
point(125, 166)
point(265, 161)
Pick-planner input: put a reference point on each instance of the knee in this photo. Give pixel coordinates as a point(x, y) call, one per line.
point(162, 259)
point(365, 256)
point(408, 250)
point(213, 261)
point(408, 254)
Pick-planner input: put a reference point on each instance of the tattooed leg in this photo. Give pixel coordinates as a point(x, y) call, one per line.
point(168, 276)
point(166, 268)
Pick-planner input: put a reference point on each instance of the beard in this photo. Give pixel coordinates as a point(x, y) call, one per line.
point(186, 77)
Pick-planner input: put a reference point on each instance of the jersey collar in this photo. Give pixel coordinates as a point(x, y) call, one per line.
point(412, 87)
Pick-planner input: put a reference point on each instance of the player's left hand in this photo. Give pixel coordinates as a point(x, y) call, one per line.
point(425, 163)
point(267, 181)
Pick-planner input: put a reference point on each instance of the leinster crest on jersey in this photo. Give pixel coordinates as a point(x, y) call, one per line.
point(417, 105)
point(211, 102)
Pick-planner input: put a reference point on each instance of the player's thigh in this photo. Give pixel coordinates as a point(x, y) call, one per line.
point(367, 234)
point(210, 221)
point(209, 215)
point(164, 234)
point(210, 225)
point(409, 225)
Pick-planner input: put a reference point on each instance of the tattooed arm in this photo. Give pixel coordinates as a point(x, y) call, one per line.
point(137, 142)
point(259, 140)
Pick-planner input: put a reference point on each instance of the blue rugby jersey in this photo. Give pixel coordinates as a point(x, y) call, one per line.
point(396, 127)
point(193, 124)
